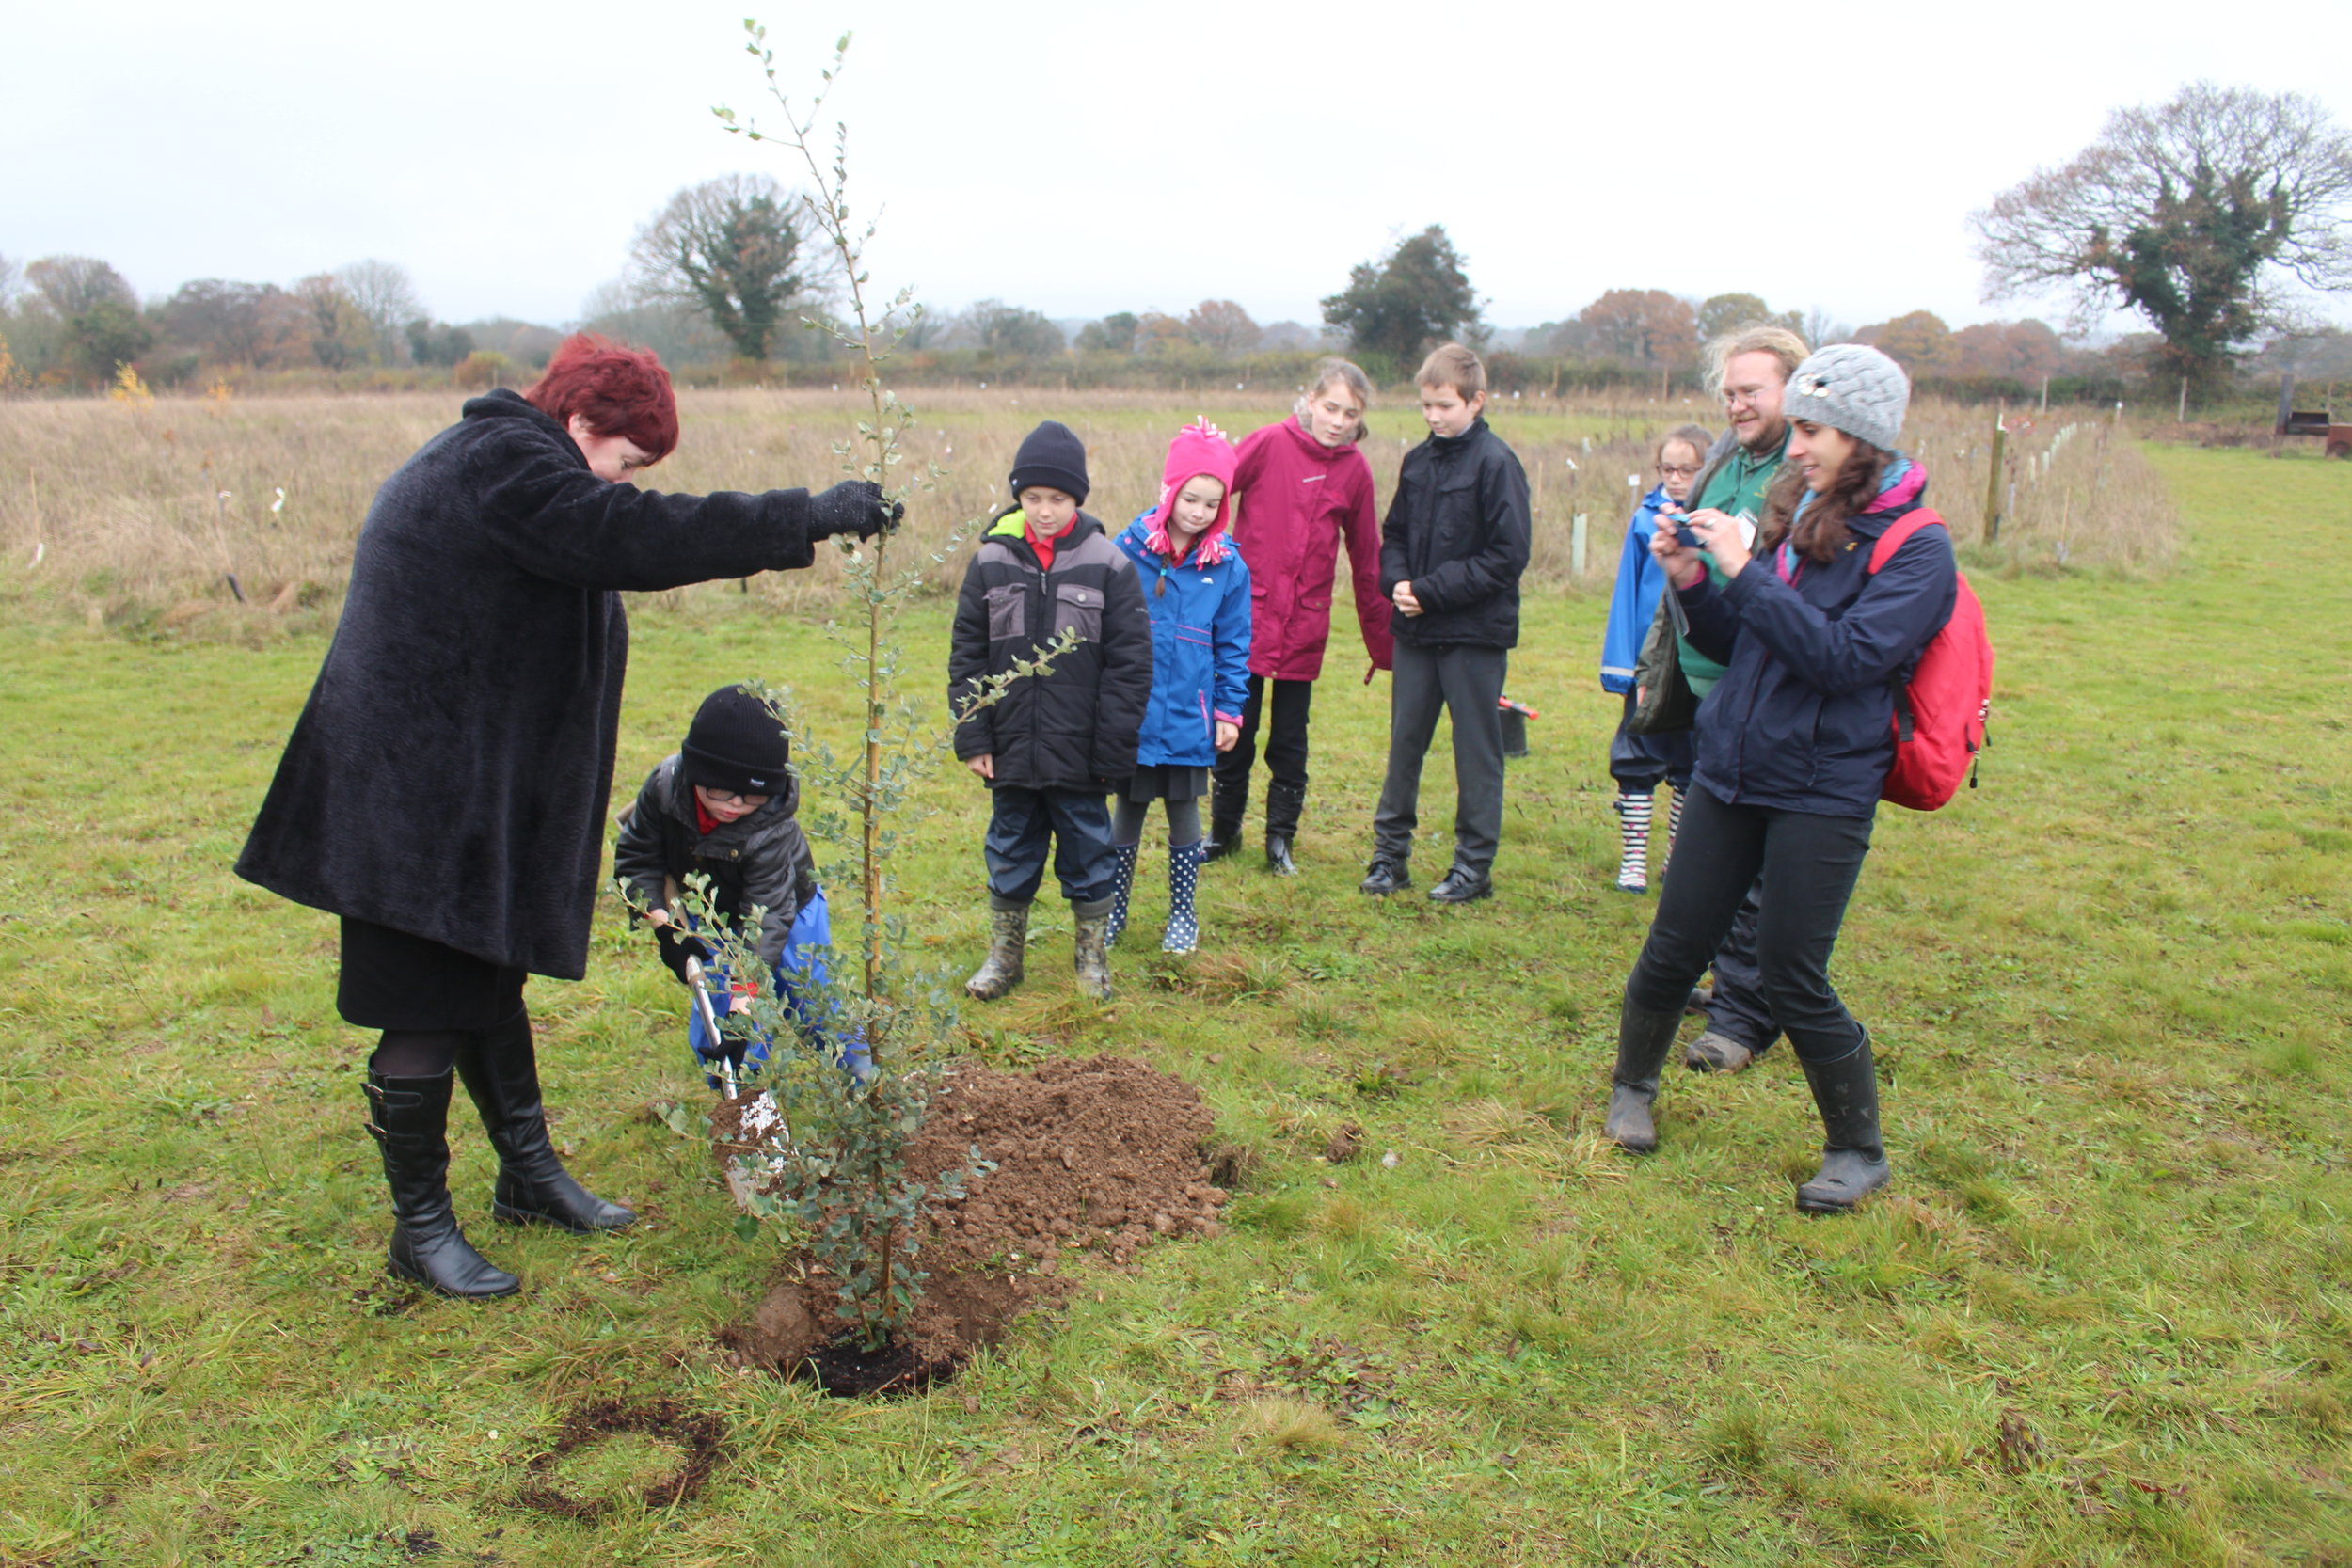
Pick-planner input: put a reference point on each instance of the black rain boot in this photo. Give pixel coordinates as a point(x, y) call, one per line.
point(1853, 1160)
point(1223, 839)
point(1643, 1042)
point(501, 1073)
point(1284, 804)
point(408, 1117)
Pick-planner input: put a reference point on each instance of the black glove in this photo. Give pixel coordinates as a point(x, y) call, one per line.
point(852, 506)
point(676, 948)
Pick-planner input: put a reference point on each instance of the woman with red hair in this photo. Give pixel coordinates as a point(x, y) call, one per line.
point(444, 790)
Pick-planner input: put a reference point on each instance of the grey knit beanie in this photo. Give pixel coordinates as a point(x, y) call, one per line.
point(1851, 387)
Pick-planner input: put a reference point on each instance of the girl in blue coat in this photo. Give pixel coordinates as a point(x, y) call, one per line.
point(1794, 745)
point(1198, 592)
point(1639, 763)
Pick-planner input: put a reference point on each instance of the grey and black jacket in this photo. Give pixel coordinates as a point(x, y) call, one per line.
point(759, 861)
point(1074, 727)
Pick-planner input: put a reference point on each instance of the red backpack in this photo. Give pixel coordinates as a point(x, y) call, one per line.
point(1939, 718)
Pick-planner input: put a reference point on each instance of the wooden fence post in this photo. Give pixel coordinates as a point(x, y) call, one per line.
point(1993, 482)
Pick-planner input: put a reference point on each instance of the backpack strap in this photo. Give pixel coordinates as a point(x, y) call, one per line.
point(1898, 534)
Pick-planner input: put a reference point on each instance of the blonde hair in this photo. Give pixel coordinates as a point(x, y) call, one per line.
point(1778, 341)
point(1452, 365)
point(1697, 437)
point(1348, 375)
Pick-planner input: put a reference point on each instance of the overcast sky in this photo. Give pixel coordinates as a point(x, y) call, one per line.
point(1081, 158)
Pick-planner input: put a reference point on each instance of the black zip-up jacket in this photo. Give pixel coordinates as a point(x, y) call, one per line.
point(1458, 530)
point(1074, 727)
point(760, 860)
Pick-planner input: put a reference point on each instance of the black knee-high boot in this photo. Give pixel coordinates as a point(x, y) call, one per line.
point(501, 1073)
point(409, 1119)
point(1643, 1042)
point(1853, 1158)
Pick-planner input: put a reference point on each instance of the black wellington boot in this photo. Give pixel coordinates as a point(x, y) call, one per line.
point(408, 1117)
point(501, 1073)
point(1285, 802)
point(1643, 1042)
point(1853, 1158)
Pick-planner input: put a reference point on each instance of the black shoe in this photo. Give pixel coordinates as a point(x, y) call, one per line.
point(408, 1117)
point(1384, 877)
point(1222, 840)
point(1461, 886)
point(501, 1073)
point(1277, 856)
point(1701, 999)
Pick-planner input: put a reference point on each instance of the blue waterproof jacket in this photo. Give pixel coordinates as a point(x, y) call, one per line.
point(1803, 719)
point(1200, 648)
point(1639, 580)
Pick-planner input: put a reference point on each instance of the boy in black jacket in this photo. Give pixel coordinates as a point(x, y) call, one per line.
point(726, 806)
point(1052, 745)
point(1450, 553)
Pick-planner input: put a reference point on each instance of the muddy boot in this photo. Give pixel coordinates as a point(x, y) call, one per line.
point(408, 1117)
point(1089, 954)
point(1124, 855)
point(1183, 874)
point(1007, 937)
point(1224, 838)
point(1643, 1042)
point(1716, 1052)
point(500, 1069)
point(1284, 804)
point(1853, 1161)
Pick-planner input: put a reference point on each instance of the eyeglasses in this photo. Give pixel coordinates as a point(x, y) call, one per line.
point(731, 798)
point(1675, 470)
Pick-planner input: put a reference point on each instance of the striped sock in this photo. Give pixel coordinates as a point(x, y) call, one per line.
point(1674, 819)
point(1633, 869)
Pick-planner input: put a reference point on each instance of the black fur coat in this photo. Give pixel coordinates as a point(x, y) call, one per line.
point(450, 774)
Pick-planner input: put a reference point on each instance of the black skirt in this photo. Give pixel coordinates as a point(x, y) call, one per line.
point(394, 980)
point(1165, 781)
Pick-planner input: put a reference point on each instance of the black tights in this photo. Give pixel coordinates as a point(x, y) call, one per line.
point(416, 1052)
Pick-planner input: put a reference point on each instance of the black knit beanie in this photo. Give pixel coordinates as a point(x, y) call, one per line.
point(1054, 458)
point(736, 745)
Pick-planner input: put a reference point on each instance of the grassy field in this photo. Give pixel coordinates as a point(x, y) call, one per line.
point(2102, 1317)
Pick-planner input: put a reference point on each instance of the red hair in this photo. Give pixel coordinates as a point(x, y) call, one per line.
point(619, 391)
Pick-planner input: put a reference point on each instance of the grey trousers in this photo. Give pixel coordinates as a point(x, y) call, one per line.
point(1467, 683)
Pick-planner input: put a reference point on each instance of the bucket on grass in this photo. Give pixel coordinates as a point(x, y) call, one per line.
point(1515, 718)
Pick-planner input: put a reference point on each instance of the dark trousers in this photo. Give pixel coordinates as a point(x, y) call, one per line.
point(1739, 1011)
point(1285, 729)
point(1465, 683)
point(1805, 866)
point(1640, 763)
point(1078, 825)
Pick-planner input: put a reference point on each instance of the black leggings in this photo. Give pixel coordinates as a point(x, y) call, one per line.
point(1808, 864)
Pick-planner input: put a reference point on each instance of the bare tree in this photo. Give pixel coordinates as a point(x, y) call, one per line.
point(2198, 214)
point(384, 294)
point(1821, 328)
point(1223, 328)
point(730, 246)
point(339, 333)
point(11, 281)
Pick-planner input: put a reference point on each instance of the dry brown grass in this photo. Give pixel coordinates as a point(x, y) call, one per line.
point(139, 515)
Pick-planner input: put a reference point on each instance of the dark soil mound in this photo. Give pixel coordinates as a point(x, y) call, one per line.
point(1101, 1155)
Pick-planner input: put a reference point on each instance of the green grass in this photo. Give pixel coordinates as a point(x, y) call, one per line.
point(2103, 1319)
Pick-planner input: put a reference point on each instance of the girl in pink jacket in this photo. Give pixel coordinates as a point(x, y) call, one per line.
point(1302, 489)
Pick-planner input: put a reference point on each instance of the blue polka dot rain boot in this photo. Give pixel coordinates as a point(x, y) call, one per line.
point(1183, 874)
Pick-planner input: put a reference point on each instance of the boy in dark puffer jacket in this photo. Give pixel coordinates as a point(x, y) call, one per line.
point(726, 806)
point(1053, 742)
point(1451, 551)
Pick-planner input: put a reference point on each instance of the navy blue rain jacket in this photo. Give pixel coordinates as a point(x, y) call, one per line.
point(1803, 719)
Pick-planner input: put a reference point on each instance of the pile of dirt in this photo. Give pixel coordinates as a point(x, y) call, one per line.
point(1101, 1155)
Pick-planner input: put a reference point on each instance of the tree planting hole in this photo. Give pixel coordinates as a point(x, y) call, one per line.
point(610, 1449)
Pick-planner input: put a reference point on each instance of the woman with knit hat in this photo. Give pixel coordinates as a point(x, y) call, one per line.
point(1793, 745)
point(1198, 592)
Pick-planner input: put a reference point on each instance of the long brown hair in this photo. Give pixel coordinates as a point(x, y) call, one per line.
point(1823, 532)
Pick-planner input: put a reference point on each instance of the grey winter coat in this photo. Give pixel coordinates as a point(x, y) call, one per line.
point(450, 773)
point(757, 861)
